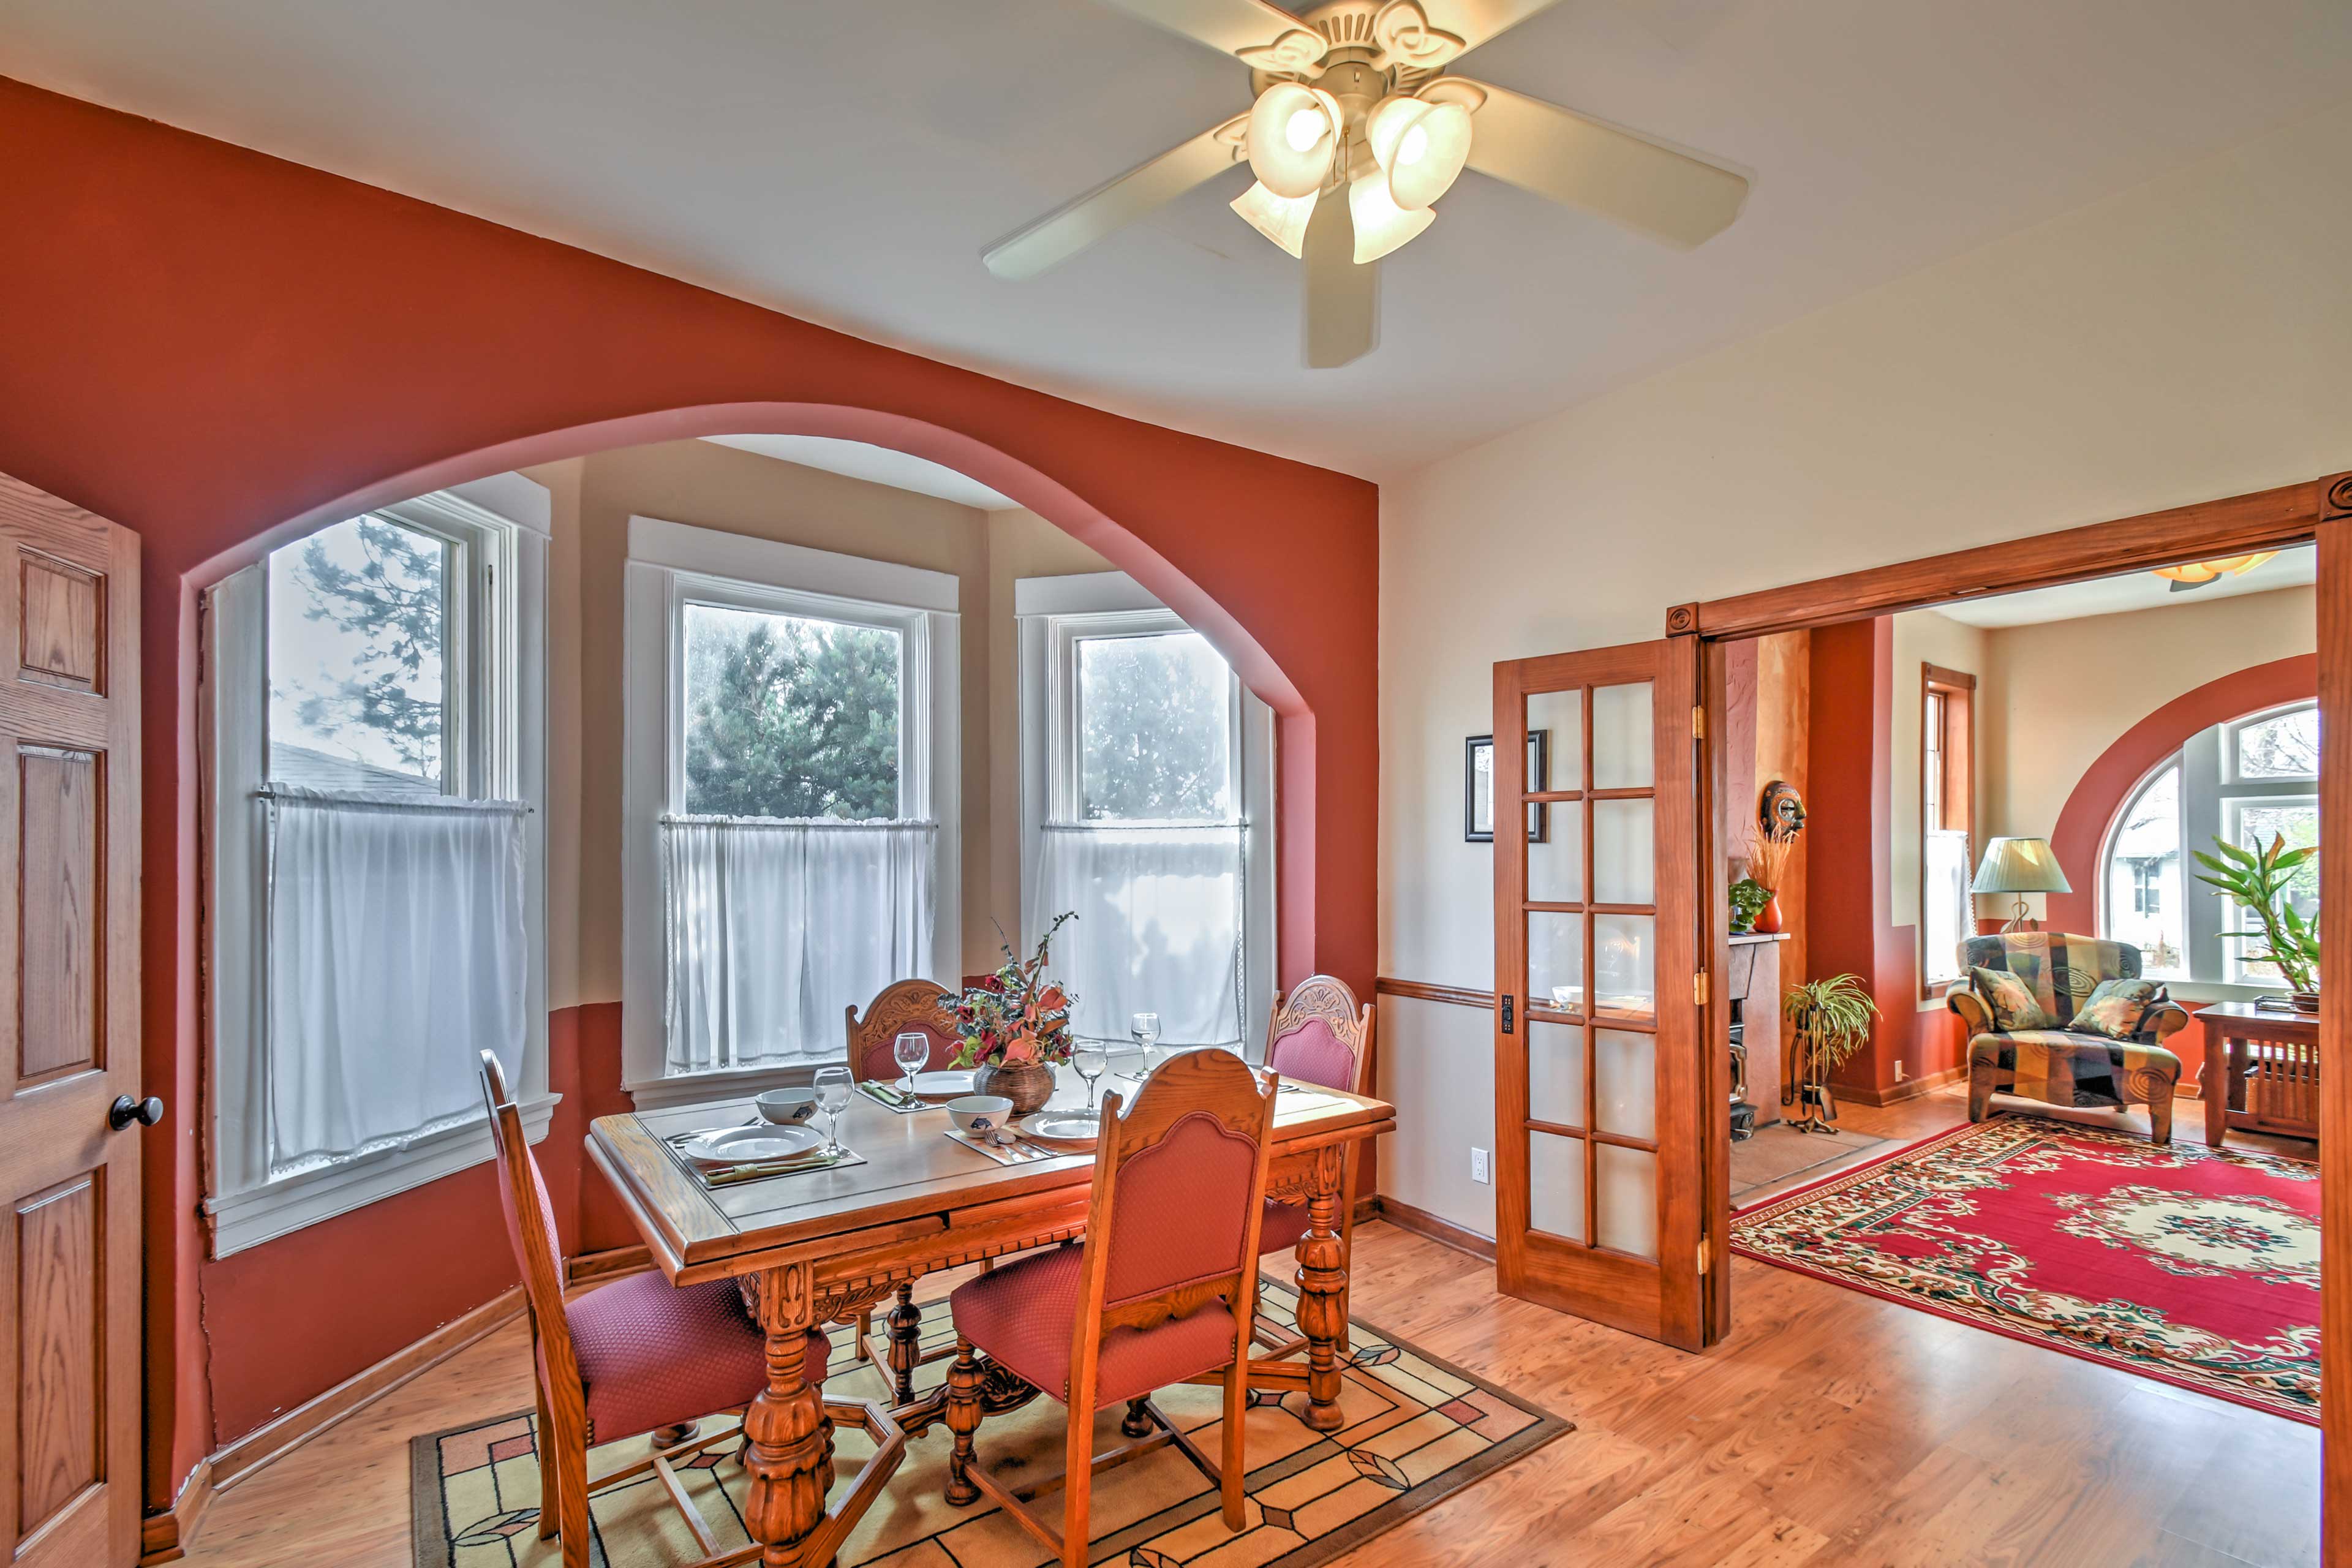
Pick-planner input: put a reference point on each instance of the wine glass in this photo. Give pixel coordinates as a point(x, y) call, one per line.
point(1145, 1027)
point(911, 1051)
point(1092, 1059)
point(833, 1087)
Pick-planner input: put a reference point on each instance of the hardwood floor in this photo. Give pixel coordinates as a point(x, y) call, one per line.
point(1831, 1428)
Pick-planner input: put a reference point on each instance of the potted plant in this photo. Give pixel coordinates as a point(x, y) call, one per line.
point(1833, 1020)
point(2263, 880)
point(1014, 1026)
point(1749, 897)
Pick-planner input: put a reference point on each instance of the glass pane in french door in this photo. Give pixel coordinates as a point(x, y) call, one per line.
point(1556, 1073)
point(1556, 734)
point(1556, 1184)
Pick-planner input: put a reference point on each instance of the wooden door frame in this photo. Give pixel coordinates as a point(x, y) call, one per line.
point(2318, 509)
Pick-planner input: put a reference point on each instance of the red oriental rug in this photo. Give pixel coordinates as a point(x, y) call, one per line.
point(2182, 1264)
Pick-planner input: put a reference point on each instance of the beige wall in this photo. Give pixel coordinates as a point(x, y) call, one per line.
point(2116, 670)
point(2182, 340)
point(714, 487)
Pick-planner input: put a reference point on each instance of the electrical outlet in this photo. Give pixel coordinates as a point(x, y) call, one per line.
point(1898, 1072)
point(1478, 1172)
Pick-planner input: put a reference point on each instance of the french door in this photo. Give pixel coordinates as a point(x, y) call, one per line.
point(1599, 1074)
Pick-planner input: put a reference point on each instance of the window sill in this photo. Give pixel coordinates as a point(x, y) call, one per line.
point(247, 1219)
point(710, 1088)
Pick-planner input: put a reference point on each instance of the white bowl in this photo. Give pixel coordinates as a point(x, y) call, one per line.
point(786, 1107)
point(980, 1113)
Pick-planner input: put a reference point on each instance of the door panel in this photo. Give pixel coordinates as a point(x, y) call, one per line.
point(69, 1286)
point(1597, 1070)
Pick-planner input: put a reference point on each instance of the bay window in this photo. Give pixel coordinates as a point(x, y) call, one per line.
point(373, 768)
point(790, 801)
point(1148, 788)
point(2246, 780)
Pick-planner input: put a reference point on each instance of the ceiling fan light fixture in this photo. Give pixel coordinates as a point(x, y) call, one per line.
point(1282, 219)
point(1420, 146)
point(1293, 131)
point(2196, 573)
point(1381, 225)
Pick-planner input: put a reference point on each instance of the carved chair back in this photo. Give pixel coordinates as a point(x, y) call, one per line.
point(1178, 1192)
point(537, 1249)
point(915, 1006)
point(1318, 1034)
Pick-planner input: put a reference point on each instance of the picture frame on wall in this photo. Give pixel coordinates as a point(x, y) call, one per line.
point(1479, 788)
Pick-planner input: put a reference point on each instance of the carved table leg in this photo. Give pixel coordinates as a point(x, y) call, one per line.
point(1323, 1292)
point(963, 1421)
point(790, 1456)
point(905, 1331)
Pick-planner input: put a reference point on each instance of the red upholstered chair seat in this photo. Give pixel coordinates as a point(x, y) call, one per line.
point(1024, 1315)
point(1311, 1053)
point(652, 1354)
point(1282, 1226)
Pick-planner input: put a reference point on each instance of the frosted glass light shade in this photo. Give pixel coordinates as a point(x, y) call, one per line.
point(1420, 146)
point(1381, 225)
point(1294, 129)
point(1282, 219)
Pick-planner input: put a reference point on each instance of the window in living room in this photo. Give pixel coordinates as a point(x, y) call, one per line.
point(1947, 822)
point(2244, 782)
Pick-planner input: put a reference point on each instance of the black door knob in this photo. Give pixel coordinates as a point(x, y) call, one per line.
point(126, 1110)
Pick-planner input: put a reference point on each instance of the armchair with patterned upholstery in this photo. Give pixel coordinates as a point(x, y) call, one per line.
point(2057, 1065)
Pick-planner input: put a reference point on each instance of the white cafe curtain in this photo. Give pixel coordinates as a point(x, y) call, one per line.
point(396, 957)
point(1159, 927)
point(771, 928)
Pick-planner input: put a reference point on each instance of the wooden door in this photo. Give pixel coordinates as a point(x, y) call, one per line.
point(1598, 1079)
point(69, 1286)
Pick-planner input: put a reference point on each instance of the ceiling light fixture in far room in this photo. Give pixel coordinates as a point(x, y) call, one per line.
point(2196, 573)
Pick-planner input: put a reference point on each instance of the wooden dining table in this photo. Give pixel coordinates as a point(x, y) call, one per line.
point(821, 1246)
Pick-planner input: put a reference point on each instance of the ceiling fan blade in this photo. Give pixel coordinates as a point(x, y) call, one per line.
point(1475, 21)
point(1264, 34)
point(1064, 232)
point(1682, 198)
point(1342, 304)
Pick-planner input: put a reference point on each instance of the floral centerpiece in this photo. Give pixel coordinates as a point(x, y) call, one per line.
point(1015, 1025)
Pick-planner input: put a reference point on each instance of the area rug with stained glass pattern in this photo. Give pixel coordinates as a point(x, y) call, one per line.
point(1415, 1430)
point(2196, 1266)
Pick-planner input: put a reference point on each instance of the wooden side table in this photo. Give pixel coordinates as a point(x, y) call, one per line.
point(2262, 1071)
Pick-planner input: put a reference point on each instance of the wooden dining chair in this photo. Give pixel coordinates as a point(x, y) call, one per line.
point(905, 1006)
point(640, 1355)
point(1315, 1034)
point(1156, 1294)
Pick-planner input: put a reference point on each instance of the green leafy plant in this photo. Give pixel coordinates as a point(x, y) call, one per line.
point(1834, 1016)
point(2262, 879)
point(1749, 897)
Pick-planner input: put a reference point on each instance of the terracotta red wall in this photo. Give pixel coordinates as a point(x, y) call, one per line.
point(219, 349)
point(1850, 825)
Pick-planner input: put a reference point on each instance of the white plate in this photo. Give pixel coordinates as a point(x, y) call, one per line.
point(740, 1145)
point(1072, 1129)
point(940, 1084)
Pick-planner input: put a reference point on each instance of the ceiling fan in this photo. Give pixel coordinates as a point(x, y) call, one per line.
point(1357, 131)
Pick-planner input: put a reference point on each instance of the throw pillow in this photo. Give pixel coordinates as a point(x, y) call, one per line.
point(2013, 1006)
point(2113, 1008)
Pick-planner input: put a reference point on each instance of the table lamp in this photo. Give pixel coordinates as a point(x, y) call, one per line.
point(2019, 866)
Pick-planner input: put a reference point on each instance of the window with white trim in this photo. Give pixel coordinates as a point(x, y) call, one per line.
point(790, 804)
point(1147, 795)
point(374, 770)
point(2247, 780)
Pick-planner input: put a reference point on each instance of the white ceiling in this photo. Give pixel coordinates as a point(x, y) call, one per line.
point(2134, 590)
point(879, 465)
point(847, 161)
